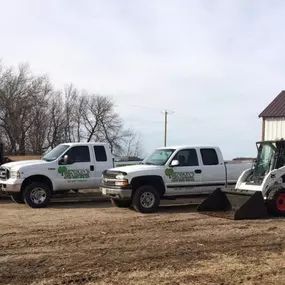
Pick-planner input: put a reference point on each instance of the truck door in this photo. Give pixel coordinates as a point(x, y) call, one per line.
point(186, 177)
point(213, 169)
point(76, 173)
point(101, 164)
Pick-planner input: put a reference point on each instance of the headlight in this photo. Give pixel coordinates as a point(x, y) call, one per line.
point(15, 174)
point(120, 176)
point(121, 180)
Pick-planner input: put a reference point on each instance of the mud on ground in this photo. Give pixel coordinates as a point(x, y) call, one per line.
point(96, 243)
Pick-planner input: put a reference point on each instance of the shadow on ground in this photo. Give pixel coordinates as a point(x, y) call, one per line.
point(163, 209)
point(80, 204)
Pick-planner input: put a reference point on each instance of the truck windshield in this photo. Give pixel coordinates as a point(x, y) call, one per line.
point(56, 152)
point(264, 162)
point(158, 157)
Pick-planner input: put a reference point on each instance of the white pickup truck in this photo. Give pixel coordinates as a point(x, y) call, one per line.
point(67, 166)
point(170, 173)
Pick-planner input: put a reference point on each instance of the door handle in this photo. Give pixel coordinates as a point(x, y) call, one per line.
point(91, 167)
point(198, 171)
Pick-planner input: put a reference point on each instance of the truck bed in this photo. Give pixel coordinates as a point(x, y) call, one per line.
point(234, 169)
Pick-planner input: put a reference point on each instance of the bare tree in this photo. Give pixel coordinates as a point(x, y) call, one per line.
point(80, 107)
point(39, 114)
point(20, 93)
point(96, 108)
point(55, 131)
point(133, 144)
point(111, 131)
point(35, 116)
point(70, 99)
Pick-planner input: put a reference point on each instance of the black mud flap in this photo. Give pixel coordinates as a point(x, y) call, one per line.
point(235, 205)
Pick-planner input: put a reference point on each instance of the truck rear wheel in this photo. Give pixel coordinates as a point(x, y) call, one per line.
point(121, 203)
point(276, 203)
point(146, 199)
point(37, 195)
point(17, 198)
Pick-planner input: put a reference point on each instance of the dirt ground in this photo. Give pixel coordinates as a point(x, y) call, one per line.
point(23, 157)
point(96, 243)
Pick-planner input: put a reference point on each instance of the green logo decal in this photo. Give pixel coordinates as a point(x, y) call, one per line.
point(169, 172)
point(62, 169)
point(73, 173)
point(179, 176)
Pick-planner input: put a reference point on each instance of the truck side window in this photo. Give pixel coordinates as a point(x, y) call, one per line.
point(187, 157)
point(209, 156)
point(100, 153)
point(79, 154)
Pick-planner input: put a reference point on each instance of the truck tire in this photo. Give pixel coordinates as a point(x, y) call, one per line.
point(146, 199)
point(276, 202)
point(37, 195)
point(17, 198)
point(121, 203)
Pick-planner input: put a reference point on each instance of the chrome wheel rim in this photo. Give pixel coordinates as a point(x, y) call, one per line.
point(38, 195)
point(147, 200)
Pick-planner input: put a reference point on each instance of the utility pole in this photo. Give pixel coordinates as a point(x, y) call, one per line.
point(166, 113)
point(165, 127)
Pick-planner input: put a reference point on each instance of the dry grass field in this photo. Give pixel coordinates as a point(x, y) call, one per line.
point(96, 243)
point(23, 157)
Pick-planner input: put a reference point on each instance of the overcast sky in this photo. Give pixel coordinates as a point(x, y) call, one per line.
point(215, 64)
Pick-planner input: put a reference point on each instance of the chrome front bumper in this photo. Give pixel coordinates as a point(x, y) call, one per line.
point(116, 193)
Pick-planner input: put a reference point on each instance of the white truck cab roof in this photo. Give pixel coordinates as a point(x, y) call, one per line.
point(85, 143)
point(180, 147)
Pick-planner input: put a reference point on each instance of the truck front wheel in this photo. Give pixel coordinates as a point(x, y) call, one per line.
point(37, 195)
point(146, 199)
point(121, 203)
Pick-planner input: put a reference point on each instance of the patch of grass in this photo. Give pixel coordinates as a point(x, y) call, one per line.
point(24, 157)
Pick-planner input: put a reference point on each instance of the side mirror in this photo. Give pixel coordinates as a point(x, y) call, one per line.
point(64, 160)
point(174, 162)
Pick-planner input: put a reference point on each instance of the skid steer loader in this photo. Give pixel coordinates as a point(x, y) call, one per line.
point(259, 191)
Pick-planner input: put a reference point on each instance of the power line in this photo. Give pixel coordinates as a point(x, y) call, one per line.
point(165, 112)
point(137, 106)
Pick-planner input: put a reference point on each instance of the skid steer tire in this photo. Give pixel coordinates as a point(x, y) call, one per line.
point(276, 202)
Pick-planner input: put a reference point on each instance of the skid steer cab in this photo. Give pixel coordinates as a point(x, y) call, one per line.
point(259, 191)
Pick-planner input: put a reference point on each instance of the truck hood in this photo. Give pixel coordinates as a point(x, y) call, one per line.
point(135, 168)
point(19, 164)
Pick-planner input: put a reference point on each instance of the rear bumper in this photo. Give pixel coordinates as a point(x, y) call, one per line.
point(116, 193)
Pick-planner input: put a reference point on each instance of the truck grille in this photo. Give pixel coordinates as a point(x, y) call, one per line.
point(109, 183)
point(109, 178)
point(4, 173)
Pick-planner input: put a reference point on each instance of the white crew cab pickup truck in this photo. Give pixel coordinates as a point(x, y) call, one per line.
point(170, 173)
point(67, 166)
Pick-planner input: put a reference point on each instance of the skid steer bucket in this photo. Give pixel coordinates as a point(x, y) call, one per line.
point(233, 204)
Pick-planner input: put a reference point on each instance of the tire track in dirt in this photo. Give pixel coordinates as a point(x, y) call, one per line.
point(119, 246)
